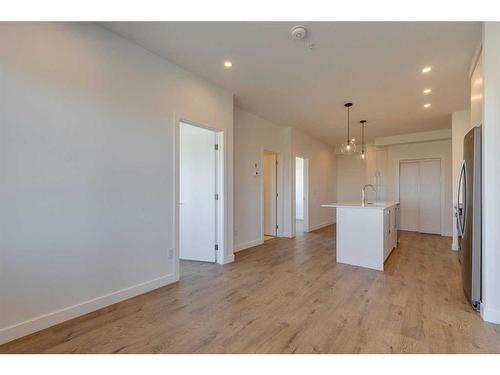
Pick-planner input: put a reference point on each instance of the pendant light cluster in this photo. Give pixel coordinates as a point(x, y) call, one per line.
point(349, 146)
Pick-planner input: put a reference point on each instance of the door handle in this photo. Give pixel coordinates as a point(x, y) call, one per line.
point(461, 211)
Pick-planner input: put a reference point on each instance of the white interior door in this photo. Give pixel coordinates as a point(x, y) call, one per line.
point(197, 210)
point(420, 196)
point(270, 201)
point(299, 188)
point(301, 194)
point(430, 196)
point(409, 196)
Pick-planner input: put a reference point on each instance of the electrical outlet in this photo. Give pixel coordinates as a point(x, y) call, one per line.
point(171, 254)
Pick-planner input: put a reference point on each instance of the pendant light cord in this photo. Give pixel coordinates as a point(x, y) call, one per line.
point(363, 138)
point(363, 123)
point(348, 138)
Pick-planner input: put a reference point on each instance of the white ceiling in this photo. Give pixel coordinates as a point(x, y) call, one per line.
point(375, 65)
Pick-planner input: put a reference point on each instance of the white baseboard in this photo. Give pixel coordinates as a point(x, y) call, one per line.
point(490, 315)
point(227, 259)
point(47, 320)
point(247, 245)
point(322, 225)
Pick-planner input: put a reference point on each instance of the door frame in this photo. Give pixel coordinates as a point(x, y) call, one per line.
point(279, 190)
point(220, 172)
point(305, 188)
point(398, 162)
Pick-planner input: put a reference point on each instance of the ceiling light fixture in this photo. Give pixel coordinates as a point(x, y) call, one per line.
point(348, 147)
point(427, 91)
point(427, 105)
point(228, 64)
point(427, 69)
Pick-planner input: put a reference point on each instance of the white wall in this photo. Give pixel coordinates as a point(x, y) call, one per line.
point(87, 169)
point(299, 188)
point(490, 309)
point(460, 125)
point(322, 177)
point(351, 177)
point(382, 170)
point(252, 136)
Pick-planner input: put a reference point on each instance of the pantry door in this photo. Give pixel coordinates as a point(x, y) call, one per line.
point(420, 195)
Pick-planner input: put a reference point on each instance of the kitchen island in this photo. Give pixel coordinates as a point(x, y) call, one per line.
point(366, 233)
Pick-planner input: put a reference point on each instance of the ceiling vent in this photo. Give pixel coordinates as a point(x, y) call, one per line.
point(298, 32)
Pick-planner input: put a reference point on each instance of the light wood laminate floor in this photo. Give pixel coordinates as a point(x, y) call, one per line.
point(290, 296)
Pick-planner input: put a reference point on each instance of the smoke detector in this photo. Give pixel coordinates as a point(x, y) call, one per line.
point(298, 32)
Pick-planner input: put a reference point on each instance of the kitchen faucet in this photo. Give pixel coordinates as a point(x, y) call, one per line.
point(363, 193)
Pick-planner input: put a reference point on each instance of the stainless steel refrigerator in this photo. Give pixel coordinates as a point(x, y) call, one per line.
point(469, 217)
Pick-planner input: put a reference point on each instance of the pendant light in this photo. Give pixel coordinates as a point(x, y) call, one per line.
point(348, 147)
point(363, 150)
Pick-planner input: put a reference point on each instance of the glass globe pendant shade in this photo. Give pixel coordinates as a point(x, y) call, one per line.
point(348, 148)
point(353, 144)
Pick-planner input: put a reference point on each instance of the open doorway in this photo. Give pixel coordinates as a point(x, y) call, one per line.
point(301, 195)
point(198, 196)
point(270, 180)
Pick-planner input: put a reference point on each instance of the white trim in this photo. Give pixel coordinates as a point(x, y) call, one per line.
point(490, 315)
point(279, 189)
point(48, 320)
point(322, 225)
point(227, 259)
point(428, 136)
point(248, 245)
point(220, 188)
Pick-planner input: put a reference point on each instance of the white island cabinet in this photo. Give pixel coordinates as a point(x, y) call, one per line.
point(366, 234)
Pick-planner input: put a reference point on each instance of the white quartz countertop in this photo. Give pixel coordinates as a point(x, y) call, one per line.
point(370, 205)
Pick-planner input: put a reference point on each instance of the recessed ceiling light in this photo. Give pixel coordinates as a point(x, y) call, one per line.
point(228, 64)
point(427, 91)
point(427, 69)
point(427, 105)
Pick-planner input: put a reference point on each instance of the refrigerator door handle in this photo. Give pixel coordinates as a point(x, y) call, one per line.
point(461, 218)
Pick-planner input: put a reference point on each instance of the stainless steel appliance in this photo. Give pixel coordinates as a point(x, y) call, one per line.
point(469, 217)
